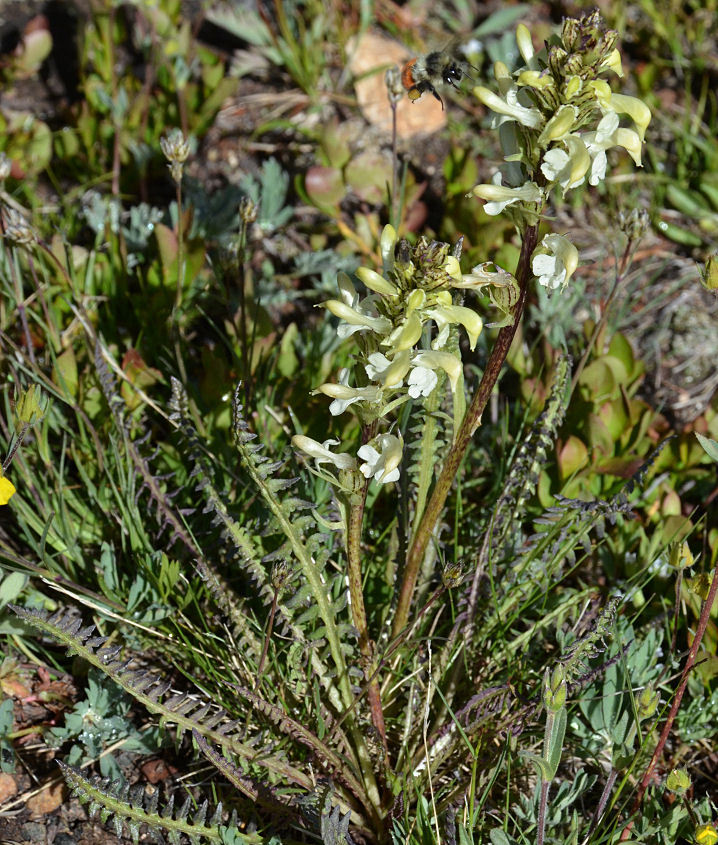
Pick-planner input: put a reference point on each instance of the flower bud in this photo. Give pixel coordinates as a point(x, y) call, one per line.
point(405, 335)
point(647, 703)
point(17, 229)
point(554, 689)
point(451, 576)
point(376, 282)
point(247, 211)
point(559, 125)
point(387, 243)
point(524, 43)
point(280, 573)
point(394, 88)
point(453, 268)
point(30, 407)
point(573, 87)
point(678, 781)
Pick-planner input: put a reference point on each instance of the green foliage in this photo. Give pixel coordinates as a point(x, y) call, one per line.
point(98, 721)
point(252, 604)
point(26, 140)
point(293, 37)
point(269, 196)
point(120, 117)
point(7, 753)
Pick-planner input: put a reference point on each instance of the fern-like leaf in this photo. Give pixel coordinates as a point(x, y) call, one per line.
point(129, 810)
point(325, 596)
point(165, 509)
point(336, 765)
point(315, 587)
point(185, 711)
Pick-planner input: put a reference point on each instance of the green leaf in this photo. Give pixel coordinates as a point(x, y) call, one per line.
point(598, 380)
point(621, 350)
point(499, 837)
point(572, 457)
point(710, 446)
point(11, 587)
point(555, 732)
point(542, 766)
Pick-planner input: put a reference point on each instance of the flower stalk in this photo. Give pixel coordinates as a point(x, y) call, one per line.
point(357, 502)
point(470, 423)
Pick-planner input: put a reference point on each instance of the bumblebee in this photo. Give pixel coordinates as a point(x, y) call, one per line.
point(424, 73)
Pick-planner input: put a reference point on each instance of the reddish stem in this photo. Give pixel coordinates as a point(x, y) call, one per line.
point(665, 733)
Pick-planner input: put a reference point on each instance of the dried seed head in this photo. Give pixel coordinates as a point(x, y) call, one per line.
point(394, 88)
point(247, 211)
point(280, 573)
point(176, 150)
point(17, 229)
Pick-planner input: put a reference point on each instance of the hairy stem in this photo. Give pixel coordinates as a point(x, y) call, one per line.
point(543, 803)
point(471, 421)
point(356, 593)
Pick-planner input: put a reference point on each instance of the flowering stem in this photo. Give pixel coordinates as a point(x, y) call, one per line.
point(543, 803)
point(180, 281)
point(394, 167)
point(13, 448)
point(470, 423)
point(116, 122)
point(357, 502)
point(180, 250)
point(267, 636)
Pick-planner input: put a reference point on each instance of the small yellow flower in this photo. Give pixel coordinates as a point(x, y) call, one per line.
point(499, 196)
point(560, 125)
point(321, 452)
point(7, 489)
point(706, 834)
point(509, 106)
point(405, 335)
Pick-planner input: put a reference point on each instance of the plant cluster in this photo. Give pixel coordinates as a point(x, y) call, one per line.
point(430, 632)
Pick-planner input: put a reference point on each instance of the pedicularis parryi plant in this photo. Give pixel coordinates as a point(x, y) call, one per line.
point(309, 696)
point(557, 116)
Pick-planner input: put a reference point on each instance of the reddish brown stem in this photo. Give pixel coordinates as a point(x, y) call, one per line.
point(665, 733)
